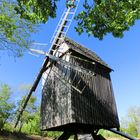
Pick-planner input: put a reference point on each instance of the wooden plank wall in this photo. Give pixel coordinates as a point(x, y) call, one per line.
point(62, 105)
point(56, 98)
point(96, 105)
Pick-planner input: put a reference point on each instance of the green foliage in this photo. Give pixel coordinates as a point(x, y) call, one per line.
point(36, 10)
point(108, 16)
point(53, 134)
point(8, 126)
point(134, 121)
point(6, 107)
point(30, 120)
point(97, 18)
point(32, 123)
point(14, 31)
point(131, 123)
point(132, 129)
point(28, 114)
point(108, 134)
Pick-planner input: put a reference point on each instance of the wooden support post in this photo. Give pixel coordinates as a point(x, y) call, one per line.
point(97, 137)
point(64, 136)
point(122, 134)
point(75, 137)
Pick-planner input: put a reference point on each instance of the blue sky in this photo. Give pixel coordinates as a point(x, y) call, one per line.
point(122, 55)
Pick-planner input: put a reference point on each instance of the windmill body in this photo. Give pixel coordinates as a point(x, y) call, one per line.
point(78, 100)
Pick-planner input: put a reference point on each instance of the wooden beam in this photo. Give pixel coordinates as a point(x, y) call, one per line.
point(64, 136)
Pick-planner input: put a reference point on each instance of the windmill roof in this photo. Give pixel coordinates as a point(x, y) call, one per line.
point(84, 51)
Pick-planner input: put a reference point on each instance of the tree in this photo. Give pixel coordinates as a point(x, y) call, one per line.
point(6, 107)
point(36, 10)
point(132, 129)
point(131, 123)
point(108, 16)
point(33, 126)
point(29, 113)
point(134, 115)
point(14, 31)
point(97, 18)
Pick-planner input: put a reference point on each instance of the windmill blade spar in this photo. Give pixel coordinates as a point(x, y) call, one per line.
point(33, 88)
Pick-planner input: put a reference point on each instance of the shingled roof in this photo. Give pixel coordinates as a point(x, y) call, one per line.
point(84, 51)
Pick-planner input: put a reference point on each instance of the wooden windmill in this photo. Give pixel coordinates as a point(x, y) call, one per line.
point(77, 94)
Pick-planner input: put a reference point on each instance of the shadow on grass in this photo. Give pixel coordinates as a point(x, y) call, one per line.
point(6, 135)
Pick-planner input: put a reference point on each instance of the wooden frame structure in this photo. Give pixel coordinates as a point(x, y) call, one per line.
point(78, 101)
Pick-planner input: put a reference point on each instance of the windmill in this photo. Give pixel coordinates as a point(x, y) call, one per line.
point(77, 95)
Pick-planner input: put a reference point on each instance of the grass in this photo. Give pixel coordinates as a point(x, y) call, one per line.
point(5, 135)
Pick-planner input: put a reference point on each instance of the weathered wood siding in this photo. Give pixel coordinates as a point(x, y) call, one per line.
point(56, 98)
point(63, 107)
point(96, 105)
